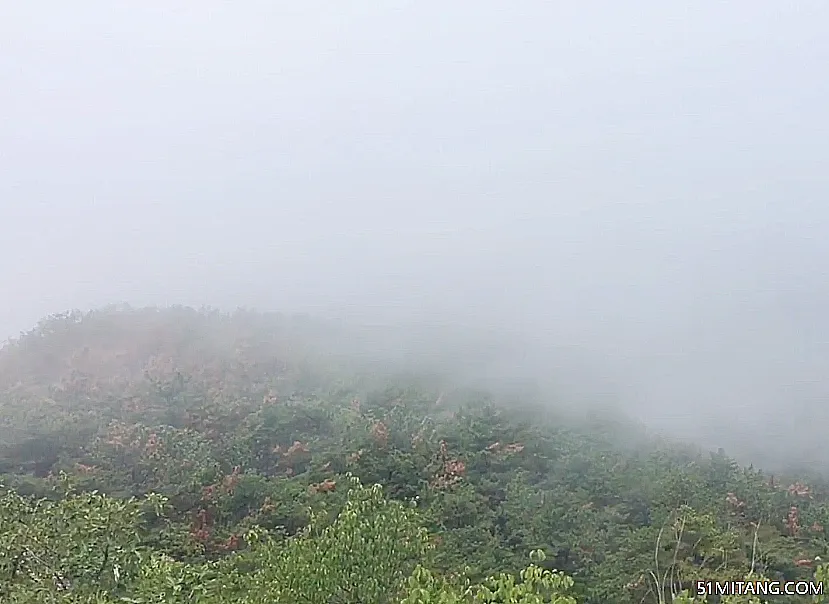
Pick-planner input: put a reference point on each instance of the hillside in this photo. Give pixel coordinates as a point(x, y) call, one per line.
point(180, 455)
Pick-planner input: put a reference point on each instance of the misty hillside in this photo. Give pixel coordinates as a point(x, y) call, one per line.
point(552, 285)
point(181, 455)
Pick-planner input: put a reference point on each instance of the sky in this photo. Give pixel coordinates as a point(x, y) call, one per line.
point(643, 184)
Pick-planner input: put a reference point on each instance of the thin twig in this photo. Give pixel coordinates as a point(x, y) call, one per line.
point(754, 547)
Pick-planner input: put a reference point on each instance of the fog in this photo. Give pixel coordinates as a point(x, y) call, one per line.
point(634, 193)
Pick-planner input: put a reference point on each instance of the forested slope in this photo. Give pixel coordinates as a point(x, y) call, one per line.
point(178, 455)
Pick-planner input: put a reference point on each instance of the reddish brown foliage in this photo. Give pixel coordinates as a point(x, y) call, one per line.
point(509, 449)
point(799, 489)
point(792, 521)
point(451, 470)
point(326, 486)
point(380, 434)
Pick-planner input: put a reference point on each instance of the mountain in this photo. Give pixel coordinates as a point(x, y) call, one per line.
point(172, 455)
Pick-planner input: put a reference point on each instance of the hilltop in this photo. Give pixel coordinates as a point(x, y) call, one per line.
point(211, 452)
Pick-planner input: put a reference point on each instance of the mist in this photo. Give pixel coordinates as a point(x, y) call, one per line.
point(632, 195)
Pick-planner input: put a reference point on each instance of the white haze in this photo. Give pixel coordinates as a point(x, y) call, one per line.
point(635, 192)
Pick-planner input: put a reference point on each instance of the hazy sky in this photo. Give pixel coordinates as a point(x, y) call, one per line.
point(644, 180)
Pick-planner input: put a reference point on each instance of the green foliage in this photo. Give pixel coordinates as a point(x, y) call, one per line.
point(189, 456)
point(83, 542)
point(534, 585)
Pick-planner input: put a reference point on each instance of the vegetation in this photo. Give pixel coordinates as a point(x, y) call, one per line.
point(160, 456)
